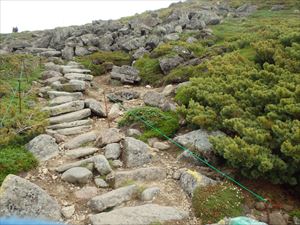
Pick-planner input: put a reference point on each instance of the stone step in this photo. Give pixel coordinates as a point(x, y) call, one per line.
point(70, 124)
point(64, 108)
point(68, 69)
point(62, 99)
point(69, 117)
point(80, 140)
point(54, 94)
point(73, 86)
point(137, 215)
point(81, 152)
point(113, 198)
point(73, 130)
point(79, 76)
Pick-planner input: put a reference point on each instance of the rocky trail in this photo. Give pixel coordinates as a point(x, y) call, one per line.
point(96, 174)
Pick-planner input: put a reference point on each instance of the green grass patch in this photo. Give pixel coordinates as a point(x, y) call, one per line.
point(213, 203)
point(101, 62)
point(167, 122)
point(15, 159)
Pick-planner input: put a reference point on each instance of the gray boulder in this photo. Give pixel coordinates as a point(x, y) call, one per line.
point(108, 136)
point(167, 64)
point(95, 107)
point(80, 140)
point(126, 74)
point(112, 151)
point(101, 165)
point(68, 53)
point(79, 76)
point(140, 175)
point(79, 175)
point(64, 108)
point(51, 54)
point(198, 140)
point(62, 99)
point(21, 198)
point(140, 53)
point(112, 198)
point(100, 183)
point(190, 180)
point(135, 153)
point(144, 214)
point(81, 152)
point(54, 94)
point(149, 193)
point(69, 117)
point(81, 51)
point(50, 74)
point(171, 37)
point(43, 147)
point(153, 98)
point(74, 85)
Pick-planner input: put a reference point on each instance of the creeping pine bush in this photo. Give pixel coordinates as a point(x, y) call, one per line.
point(213, 203)
point(167, 122)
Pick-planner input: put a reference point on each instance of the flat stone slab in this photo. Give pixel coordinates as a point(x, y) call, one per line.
point(73, 86)
point(62, 99)
point(67, 70)
point(80, 140)
point(74, 130)
point(81, 152)
point(79, 76)
point(69, 117)
point(139, 175)
point(70, 124)
point(21, 198)
point(43, 147)
point(112, 198)
point(137, 215)
point(54, 94)
point(65, 108)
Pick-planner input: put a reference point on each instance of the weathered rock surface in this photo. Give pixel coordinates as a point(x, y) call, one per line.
point(73, 86)
point(167, 64)
point(95, 107)
point(150, 193)
point(108, 136)
point(78, 76)
point(80, 140)
point(126, 74)
point(68, 211)
point(138, 175)
point(74, 130)
point(135, 152)
point(65, 108)
point(54, 94)
point(50, 74)
point(81, 152)
point(190, 180)
point(70, 124)
point(112, 198)
point(79, 175)
point(21, 198)
point(144, 214)
point(86, 193)
point(61, 100)
point(100, 183)
point(43, 147)
point(112, 151)
point(155, 99)
point(70, 117)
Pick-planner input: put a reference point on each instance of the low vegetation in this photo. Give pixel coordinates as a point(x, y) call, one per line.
point(15, 159)
point(101, 62)
point(213, 203)
point(166, 122)
point(252, 94)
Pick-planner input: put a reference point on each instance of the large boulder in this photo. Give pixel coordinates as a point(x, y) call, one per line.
point(43, 147)
point(144, 214)
point(112, 198)
point(169, 63)
point(21, 198)
point(135, 153)
point(126, 74)
point(198, 140)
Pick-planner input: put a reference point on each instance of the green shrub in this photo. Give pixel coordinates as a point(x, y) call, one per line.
point(150, 71)
point(101, 62)
point(213, 203)
point(166, 122)
point(15, 159)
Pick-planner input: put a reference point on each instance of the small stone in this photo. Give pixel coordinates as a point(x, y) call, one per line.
point(116, 164)
point(77, 175)
point(86, 193)
point(112, 151)
point(101, 183)
point(133, 133)
point(150, 193)
point(68, 211)
point(114, 112)
point(161, 146)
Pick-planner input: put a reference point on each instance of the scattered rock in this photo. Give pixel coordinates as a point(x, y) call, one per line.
point(171, 37)
point(114, 111)
point(121, 96)
point(79, 175)
point(70, 117)
point(81, 152)
point(277, 7)
point(112, 198)
point(138, 175)
point(100, 183)
point(168, 90)
point(50, 74)
point(21, 198)
point(135, 152)
point(68, 211)
point(95, 107)
point(80, 140)
point(126, 74)
point(149, 193)
point(161, 146)
point(153, 98)
point(43, 147)
point(102, 165)
point(108, 136)
point(116, 163)
point(86, 193)
point(144, 214)
point(133, 133)
point(260, 206)
point(112, 151)
point(190, 180)
point(167, 64)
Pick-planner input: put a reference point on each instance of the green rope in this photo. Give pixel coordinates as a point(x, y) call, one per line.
point(194, 155)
